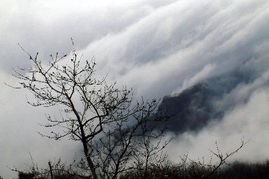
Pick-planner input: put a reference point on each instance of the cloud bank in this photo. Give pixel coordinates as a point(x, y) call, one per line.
point(157, 47)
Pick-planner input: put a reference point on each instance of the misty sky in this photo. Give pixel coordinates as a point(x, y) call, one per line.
point(158, 47)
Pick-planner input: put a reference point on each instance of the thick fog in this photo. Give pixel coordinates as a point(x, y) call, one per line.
point(157, 47)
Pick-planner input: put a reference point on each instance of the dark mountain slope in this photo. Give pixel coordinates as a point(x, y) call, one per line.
point(193, 108)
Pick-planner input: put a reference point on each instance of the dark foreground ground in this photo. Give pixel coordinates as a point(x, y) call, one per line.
point(235, 170)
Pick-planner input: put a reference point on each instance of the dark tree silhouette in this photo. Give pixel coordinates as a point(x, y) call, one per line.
point(105, 119)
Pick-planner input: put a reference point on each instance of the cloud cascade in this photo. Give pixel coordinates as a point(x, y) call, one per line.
point(158, 47)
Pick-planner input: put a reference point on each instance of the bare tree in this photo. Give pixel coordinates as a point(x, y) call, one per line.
point(204, 170)
point(106, 119)
point(222, 159)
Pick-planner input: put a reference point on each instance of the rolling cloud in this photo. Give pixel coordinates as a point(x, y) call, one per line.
point(158, 47)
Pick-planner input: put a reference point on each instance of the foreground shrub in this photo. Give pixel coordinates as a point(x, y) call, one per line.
point(236, 170)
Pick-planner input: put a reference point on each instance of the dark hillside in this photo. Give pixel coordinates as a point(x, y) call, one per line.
point(193, 108)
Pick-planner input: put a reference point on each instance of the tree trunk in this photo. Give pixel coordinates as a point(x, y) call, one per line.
point(89, 160)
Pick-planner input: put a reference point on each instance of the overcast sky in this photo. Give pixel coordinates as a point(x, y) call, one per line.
point(158, 47)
